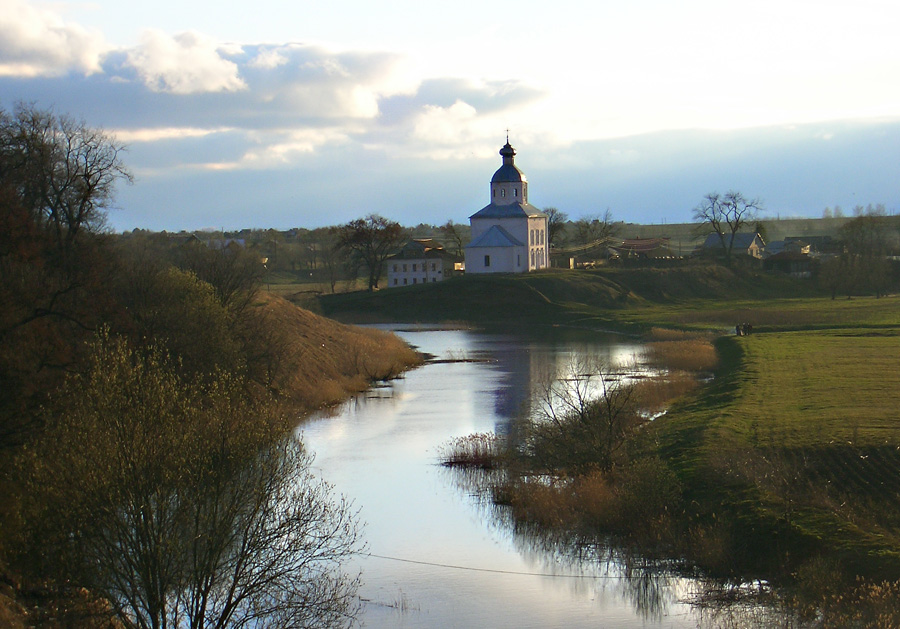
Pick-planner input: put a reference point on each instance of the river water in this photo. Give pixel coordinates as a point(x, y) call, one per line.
point(438, 556)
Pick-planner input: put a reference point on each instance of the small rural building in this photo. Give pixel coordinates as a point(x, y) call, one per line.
point(509, 235)
point(743, 243)
point(420, 261)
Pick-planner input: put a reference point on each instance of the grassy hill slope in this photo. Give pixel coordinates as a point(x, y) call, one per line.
point(558, 296)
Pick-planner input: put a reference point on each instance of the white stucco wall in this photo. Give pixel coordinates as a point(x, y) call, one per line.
point(502, 259)
point(404, 272)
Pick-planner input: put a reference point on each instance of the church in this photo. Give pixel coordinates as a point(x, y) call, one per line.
point(509, 235)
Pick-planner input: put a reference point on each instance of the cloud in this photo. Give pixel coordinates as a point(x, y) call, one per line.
point(188, 63)
point(37, 42)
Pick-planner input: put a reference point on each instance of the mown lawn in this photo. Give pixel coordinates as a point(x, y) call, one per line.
point(816, 388)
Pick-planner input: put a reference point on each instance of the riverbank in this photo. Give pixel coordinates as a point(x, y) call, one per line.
point(305, 362)
point(789, 457)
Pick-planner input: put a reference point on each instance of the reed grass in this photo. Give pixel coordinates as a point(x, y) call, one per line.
point(480, 450)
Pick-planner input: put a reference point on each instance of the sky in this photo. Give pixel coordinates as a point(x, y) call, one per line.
point(311, 113)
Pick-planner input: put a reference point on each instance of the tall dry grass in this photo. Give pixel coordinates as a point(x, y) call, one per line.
point(681, 351)
point(321, 361)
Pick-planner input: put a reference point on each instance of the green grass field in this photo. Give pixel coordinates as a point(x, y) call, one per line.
point(799, 435)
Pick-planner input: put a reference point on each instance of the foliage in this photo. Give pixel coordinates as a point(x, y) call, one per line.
point(170, 498)
point(56, 178)
point(370, 241)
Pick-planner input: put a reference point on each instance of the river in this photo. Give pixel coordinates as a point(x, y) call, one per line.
point(437, 557)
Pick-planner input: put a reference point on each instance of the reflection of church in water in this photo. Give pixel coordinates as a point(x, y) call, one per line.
point(527, 367)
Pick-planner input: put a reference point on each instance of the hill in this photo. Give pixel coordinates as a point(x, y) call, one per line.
point(558, 296)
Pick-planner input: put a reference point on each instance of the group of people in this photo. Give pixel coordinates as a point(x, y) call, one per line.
point(743, 329)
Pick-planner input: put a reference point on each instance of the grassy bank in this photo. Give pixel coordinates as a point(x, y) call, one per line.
point(797, 445)
point(791, 454)
point(619, 297)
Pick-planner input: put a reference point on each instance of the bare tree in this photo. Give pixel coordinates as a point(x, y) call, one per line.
point(180, 504)
point(584, 419)
point(235, 272)
point(556, 225)
point(454, 233)
point(65, 172)
point(725, 215)
point(370, 241)
point(594, 228)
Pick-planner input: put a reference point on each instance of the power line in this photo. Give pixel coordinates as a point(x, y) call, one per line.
point(492, 570)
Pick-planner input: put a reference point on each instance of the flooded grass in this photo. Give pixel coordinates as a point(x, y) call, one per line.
point(480, 450)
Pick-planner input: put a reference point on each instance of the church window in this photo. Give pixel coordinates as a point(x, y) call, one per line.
point(503, 192)
point(532, 236)
point(515, 192)
point(487, 261)
point(532, 258)
point(518, 259)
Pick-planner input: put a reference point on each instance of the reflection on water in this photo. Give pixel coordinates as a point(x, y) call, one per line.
point(442, 557)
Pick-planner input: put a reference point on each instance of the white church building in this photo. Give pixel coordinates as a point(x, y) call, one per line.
point(509, 235)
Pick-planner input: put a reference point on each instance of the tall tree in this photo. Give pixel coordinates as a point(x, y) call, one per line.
point(454, 233)
point(370, 241)
point(556, 225)
point(594, 228)
point(725, 215)
point(867, 242)
point(64, 171)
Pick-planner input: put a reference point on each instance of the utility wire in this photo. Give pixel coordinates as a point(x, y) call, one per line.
point(495, 571)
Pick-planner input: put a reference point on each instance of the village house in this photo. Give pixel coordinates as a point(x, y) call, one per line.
point(743, 243)
point(420, 261)
point(509, 235)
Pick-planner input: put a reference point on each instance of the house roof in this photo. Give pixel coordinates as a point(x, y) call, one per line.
point(418, 248)
point(496, 236)
point(740, 240)
point(511, 210)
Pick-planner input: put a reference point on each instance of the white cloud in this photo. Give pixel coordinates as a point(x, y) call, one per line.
point(445, 125)
point(37, 42)
point(188, 63)
point(268, 59)
point(129, 136)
